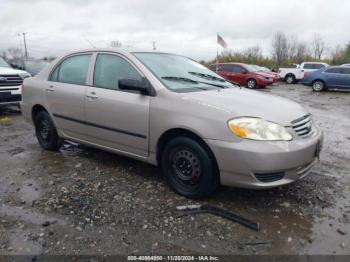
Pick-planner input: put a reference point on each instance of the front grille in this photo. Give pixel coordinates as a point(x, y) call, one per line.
point(7, 97)
point(303, 126)
point(269, 177)
point(10, 80)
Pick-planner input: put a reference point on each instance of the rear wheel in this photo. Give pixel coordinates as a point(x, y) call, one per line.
point(290, 79)
point(318, 86)
point(189, 169)
point(251, 83)
point(46, 132)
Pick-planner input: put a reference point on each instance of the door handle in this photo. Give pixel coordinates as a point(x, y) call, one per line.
point(92, 95)
point(50, 89)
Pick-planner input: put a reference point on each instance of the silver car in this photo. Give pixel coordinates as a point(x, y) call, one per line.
point(171, 111)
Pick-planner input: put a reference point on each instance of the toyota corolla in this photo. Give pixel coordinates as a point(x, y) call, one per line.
point(171, 111)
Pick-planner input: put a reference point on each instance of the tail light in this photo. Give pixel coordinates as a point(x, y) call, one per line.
point(305, 74)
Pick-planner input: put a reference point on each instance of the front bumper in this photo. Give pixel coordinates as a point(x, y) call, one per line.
point(247, 163)
point(264, 82)
point(11, 95)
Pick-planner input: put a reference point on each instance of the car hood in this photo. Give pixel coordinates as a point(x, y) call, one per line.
point(10, 71)
point(237, 102)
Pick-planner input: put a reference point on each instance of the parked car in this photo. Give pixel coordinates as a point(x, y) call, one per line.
point(171, 111)
point(346, 65)
point(267, 71)
point(243, 74)
point(334, 77)
point(32, 66)
point(10, 84)
point(292, 75)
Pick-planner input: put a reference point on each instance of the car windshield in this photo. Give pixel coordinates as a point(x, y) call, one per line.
point(252, 68)
point(3, 63)
point(181, 74)
point(258, 68)
point(33, 67)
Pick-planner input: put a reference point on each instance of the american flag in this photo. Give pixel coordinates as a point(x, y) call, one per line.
point(221, 41)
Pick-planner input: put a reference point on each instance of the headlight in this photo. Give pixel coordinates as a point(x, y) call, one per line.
point(258, 129)
point(261, 77)
point(24, 76)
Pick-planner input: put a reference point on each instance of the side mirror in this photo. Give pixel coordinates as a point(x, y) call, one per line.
point(143, 86)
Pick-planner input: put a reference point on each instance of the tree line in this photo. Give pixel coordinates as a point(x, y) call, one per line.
point(286, 51)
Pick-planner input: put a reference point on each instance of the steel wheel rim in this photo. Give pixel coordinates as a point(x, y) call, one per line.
point(44, 130)
point(186, 167)
point(289, 79)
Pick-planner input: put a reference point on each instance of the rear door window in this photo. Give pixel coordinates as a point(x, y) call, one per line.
point(308, 66)
point(318, 66)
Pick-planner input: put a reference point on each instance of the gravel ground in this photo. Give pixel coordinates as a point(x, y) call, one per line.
point(85, 201)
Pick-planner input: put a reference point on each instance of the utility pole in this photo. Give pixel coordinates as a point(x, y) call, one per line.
point(25, 45)
point(154, 45)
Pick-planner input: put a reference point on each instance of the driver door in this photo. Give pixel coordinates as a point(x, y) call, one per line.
point(116, 118)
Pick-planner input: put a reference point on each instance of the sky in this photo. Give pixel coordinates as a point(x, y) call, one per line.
point(187, 27)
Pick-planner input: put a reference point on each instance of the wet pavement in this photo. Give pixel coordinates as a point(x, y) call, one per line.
point(85, 201)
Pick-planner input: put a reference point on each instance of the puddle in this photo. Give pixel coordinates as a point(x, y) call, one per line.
point(29, 191)
point(22, 245)
point(29, 215)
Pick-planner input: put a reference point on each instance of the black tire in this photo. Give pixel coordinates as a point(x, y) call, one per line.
point(189, 169)
point(318, 86)
point(290, 79)
point(46, 132)
point(251, 83)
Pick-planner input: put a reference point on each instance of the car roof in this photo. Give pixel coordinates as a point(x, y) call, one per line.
point(322, 63)
point(230, 63)
point(113, 49)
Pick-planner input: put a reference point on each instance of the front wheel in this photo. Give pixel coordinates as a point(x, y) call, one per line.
point(251, 83)
point(189, 169)
point(46, 132)
point(318, 86)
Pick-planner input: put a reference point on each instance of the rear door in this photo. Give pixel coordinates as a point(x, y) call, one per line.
point(117, 119)
point(65, 94)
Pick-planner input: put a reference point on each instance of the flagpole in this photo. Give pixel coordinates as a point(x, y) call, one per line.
point(217, 53)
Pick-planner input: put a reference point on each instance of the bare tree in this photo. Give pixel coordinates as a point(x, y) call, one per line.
point(253, 54)
point(292, 47)
point(318, 46)
point(280, 47)
point(15, 52)
point(302, 52)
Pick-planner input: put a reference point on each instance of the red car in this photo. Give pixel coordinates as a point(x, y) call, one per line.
point(243, 74)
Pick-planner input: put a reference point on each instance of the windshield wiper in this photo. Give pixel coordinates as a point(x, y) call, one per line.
point(207, 76)
point(185, 79)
